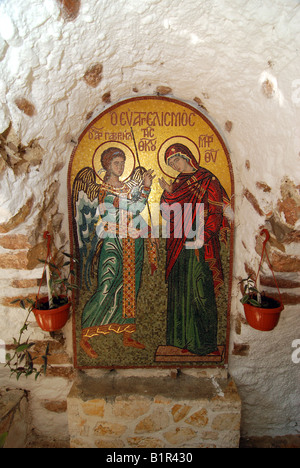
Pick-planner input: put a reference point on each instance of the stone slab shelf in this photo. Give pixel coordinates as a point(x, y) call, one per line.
point(115, 411)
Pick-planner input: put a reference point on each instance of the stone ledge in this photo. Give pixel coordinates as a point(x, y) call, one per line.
point(118, 411)
point(112, 385)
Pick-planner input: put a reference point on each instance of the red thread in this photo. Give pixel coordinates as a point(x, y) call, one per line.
point(49, 258)
point(267, 234)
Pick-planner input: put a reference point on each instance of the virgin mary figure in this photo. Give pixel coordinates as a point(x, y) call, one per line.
point(194, 276)
point(115, 241)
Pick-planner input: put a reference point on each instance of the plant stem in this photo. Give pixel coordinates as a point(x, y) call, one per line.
point(48, 276)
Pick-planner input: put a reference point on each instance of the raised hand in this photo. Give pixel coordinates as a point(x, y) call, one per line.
point(165, 186)
point(148, 178)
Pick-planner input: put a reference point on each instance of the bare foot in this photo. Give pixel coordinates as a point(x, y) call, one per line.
point(128, 341)
point(85, 345)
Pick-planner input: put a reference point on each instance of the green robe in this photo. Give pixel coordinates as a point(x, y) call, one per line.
point(192, 311)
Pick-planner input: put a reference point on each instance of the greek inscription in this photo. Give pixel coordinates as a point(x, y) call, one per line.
point(147, 144)
point(148, 132)
point(210, 155)
point(153, 119)
point(205, 141)
point(95, 133)
point(118, 136)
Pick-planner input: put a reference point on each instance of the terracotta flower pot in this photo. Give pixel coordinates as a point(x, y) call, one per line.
point(263, 319)
point(51, 319)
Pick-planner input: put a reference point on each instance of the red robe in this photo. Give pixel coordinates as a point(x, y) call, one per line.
point(200, 186)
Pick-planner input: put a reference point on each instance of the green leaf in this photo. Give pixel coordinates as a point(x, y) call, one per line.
point(254, 303)
point(70, 256)
point(58, 281)
point(15, 301)
point(245, 299)
point(21, 358)
point(22, 347)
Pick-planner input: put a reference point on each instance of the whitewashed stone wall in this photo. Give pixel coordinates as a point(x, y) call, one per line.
point(62, 62)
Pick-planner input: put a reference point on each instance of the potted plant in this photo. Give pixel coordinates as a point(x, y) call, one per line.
point(52, 311)
point(262, 312)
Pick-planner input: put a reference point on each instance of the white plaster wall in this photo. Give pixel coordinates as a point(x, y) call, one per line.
point(218, 50)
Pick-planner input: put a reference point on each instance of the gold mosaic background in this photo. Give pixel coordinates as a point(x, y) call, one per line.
point(113, 128)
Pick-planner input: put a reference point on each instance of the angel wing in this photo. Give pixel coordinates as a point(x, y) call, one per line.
point(85, 201)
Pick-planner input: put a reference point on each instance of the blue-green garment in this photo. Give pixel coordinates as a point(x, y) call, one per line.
point(106, 305)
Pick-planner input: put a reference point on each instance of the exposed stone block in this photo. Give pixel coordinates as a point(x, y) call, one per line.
point(24, 283)
point(93, 75)
point(94, 407)
point(58, 354)
point(199, 418)
point(10, 301)
point(145, 442)
point(263, 186)
point(180, 411)
point(104, 443)
point(162, 90)
point(200, 103)
point(252, 199)
point(240, 349)
point(106, 97)
point(291, 210)
point(156, 421)
point(131, 407)
point(15, 241)
point(25, 106)
point(180, 436)
point(70, 8)
point(284, 263)
point(268, 88)
point(17, 260)
point(55, 406)
point(18, 218)
point(228, 126)
point(110, 429)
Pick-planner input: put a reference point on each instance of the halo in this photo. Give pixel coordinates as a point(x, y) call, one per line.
point(130, 158)
point(167, 170)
